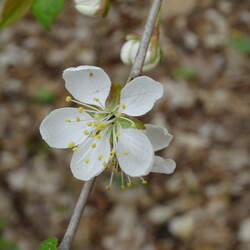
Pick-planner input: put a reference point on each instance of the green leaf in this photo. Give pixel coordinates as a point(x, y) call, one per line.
point(46, 11)
point(49, 244)
point(44, 95)
point(7, 245)
point(114, 96)
point(133, 123)
point(12, 10)
point(240, 44)
point(184, 72)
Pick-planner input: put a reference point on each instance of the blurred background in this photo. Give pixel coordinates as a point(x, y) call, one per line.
point(205, 204)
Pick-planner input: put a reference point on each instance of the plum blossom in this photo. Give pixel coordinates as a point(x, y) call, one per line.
point(102, 130)
point(92, 7)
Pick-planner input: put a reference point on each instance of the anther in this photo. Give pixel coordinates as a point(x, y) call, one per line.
point(117, 134)
point(80, 109)
point(78, 118)
point(93, 145)
point(86, 161)
point(123, 106)
point(125, 152)
point(96, 99)
point(68, 99)
point(68, 120)
point(71, 144)
point(113, 151)
point(105, 164)
point(98, 136)
point(100, 157)
point(129, 184)
point(89, 123)
point(97, 116)
point(107, 187)
point(86, 132)
point(74, 149)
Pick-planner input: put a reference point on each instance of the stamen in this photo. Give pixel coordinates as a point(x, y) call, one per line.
point(86, 132)
point(143, 181)
point(71, 144)
point(86, 161)
point(75, 149)
point(100, 157)
point(98, 136)
point(80, 109)
point(123, 106)
point(68, 120)
point(117, 134)
point(105, 164)
point(96, 99)
point(78, 118)
point(68, 99)
point(125, 152)
point(113, 151)
point(89, 123)
point(118, 114)
point(93, 145)
point(97, 116)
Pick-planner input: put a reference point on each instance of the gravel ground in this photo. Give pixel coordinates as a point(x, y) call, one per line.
point(205, 203)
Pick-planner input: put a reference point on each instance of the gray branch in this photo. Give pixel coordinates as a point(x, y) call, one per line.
point(76, 216)
point(135, 71)
point(146, 36)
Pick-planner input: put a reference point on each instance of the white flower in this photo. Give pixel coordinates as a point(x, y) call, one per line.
point(92, 7)
point(101, 132)
point(130, 49)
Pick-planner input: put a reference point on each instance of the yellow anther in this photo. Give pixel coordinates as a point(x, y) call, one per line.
point(125, 152)
point(68, 120)
point(100, 157)
point(89, 123)
point(117, 134)
point(74, 149)
point(86, 161)
point(80, 109)
point(110, 157)
point(113, 151)
point(118, 114)
point(97, 116)
point(71, 144)
point(98, 136)
point(123, 187)
point(86, 132)
point(113, 163)
point(93, 135)
point(93, 145)
point(101, 125)
point(123, 106)
point(129, 184)
point(105, 164)
point(144, 182)
point(107, 187)
point(78, 118)
point(96, 99)
point(68, 99)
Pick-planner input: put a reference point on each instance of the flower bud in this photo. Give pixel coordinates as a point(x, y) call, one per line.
point(92, 7)
point(130, 49)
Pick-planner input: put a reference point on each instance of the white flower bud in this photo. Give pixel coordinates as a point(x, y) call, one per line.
point(92, 7)
point(130, 48)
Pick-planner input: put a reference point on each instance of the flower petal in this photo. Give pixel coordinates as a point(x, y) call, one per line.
point(87, 84)
point(159, 137)
point(139, 95)
point(58, 133)
point(87, 161)
point(134, 152)
point(163, 166)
